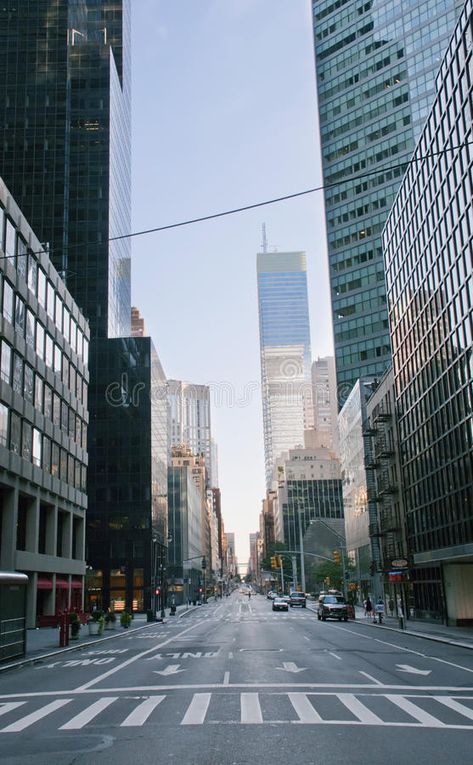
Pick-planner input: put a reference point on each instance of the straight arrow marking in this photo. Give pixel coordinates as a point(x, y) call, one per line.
point(171, 669)
point(290, 666)
point(413, 670)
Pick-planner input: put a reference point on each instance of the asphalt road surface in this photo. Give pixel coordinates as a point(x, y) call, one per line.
point(233, 683)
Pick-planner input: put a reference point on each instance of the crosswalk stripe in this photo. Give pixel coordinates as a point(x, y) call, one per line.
point(304, 709)
point(355, 706)
point(456, 706)
point(251, 709)
point(414, 711)
point(142, 711)
point(197, 709)
point(8, 706)
point(25, 722)
point(78, 722)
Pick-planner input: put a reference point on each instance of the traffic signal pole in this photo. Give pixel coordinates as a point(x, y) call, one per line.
point(282, 574)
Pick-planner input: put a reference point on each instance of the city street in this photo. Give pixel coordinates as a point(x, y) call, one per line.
point(232, 682)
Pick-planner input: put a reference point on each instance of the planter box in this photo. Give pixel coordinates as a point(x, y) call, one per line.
point(94, 628)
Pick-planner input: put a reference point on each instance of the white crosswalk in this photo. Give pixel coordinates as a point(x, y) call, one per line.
point(249, 708)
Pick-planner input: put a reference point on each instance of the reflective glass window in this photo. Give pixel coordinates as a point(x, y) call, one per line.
point(20, 315)
point(26, 440)
point(15, 433)
point(32, 273)
point(36, 447)
point(42, 287)
point(5, 362)
point(55, 460)
point(30, 322)
point(57, 359)
point(38, 393)
point(3, 425)
point(28, 383)
point(49, 351)
point(22, 258)
point(40, 340)
point(17, 382)
point(10, 240)
point(51, 300)
point(48, 401)
point(8, 294)
point(46, 454)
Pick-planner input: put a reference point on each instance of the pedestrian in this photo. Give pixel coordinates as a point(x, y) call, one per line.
point(391, 606)
point(368, 607)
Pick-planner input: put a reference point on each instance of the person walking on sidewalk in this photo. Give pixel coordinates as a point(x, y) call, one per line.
point(368, 607)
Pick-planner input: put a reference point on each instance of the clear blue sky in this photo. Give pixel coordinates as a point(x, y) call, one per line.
point(224, 114)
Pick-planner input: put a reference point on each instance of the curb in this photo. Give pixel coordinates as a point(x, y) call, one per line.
point(424, 635)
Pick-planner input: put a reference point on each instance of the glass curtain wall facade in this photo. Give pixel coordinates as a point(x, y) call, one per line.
point(376, 64)
point(429, 266)
point(127, 516)
point(284, 351)
point(185, 530)
point(189, 411)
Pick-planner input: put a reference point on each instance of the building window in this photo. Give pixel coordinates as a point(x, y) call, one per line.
point(30, 322)
point(48, 401)
point(26, 441)
point(7, 301)
point(18, 374)
point(38, 393)
point(39, 340)
point(28, 384)
point(5, 368)
point(36, 447)
point(3, 425)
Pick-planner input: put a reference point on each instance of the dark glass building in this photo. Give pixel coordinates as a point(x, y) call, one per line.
point(429, 266)
point(376, 66)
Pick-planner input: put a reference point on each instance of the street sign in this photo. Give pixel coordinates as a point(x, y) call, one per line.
point(399, 563)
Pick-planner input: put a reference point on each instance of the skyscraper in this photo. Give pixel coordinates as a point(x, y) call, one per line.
point(376, 66)
point(284, 351)
point(189, 407)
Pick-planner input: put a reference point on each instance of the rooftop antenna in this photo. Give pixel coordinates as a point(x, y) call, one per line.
point(264, 243)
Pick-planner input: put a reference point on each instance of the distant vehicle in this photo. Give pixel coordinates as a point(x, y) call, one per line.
point(271, 594)
point(297, 599)
point(332, 607)
point(280, 604)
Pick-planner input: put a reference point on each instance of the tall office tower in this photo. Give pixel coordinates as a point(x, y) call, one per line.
point(376, 65)
point(325, 405)
point(429, 266)
point(189, 407)
point(65, 143)
point(285, 352)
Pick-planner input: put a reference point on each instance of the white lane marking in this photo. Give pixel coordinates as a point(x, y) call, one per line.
point(370, 677)
point(413, 670)
point(250, 709)
point(142, 712)
point(25, 722)
point(8, 707)
point(345, 629)
point(304, 709)
point(335, 656)
point(78, 722)
point(355, 706)
point(197, 709)
point(226, 678)
point(450, 663)
point(131, 660)
point(230, 654)
point(414, 711)
point(456, 706)
point(305, 637)
point(400, 647)
point(218, 609)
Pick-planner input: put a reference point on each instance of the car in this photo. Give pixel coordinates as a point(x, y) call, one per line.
point(332, 607)
point(280, 604)
point(271, 595)
point(297, 599)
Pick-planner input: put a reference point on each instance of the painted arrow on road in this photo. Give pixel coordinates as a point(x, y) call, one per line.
point(171, 669)
point(290, 666)
point(413, 670)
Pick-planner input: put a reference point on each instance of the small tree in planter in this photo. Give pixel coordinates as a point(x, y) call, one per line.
point(125, 619)
point(110, 620)
point(96, 623)
point(74, 621)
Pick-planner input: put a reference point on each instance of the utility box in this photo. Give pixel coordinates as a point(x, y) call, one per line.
point(12, 615)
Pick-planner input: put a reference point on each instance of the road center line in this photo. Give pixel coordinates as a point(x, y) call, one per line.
point(305, 637)
point(335, 656)
point(132, 659)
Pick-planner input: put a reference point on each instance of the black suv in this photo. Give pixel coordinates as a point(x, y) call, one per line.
point(332, 607)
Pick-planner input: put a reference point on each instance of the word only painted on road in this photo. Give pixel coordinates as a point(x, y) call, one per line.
point(78, 662)
point(185, 655)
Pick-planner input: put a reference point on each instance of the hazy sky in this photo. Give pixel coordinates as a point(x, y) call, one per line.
point(224, 114)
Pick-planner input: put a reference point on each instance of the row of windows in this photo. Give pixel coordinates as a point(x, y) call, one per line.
point(31, 386)
point(25, 262)
point(23, 320)
point(20, 437)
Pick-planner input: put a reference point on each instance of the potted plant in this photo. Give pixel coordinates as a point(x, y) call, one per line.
point(96, 622)
point(110, 620)
point(125, 619)
point(74, 622)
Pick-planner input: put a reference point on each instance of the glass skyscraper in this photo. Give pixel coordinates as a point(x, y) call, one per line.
point(429, 267)
point(285, 352)
point(376, 65)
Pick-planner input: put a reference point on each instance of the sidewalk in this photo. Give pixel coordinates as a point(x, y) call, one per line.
point(459, 636)
point(42, 643)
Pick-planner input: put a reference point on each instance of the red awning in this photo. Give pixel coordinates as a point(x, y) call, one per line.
point(44, 584)
point(76, 585)
point(62, 584)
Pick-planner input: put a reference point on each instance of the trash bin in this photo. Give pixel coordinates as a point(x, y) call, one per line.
point(150, 616)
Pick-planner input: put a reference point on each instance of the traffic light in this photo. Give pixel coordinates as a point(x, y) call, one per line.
point(274, 561)
point(204, 564)
point(158, 591)
point(278, 561)
point(373, 568)
point(337, 558)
